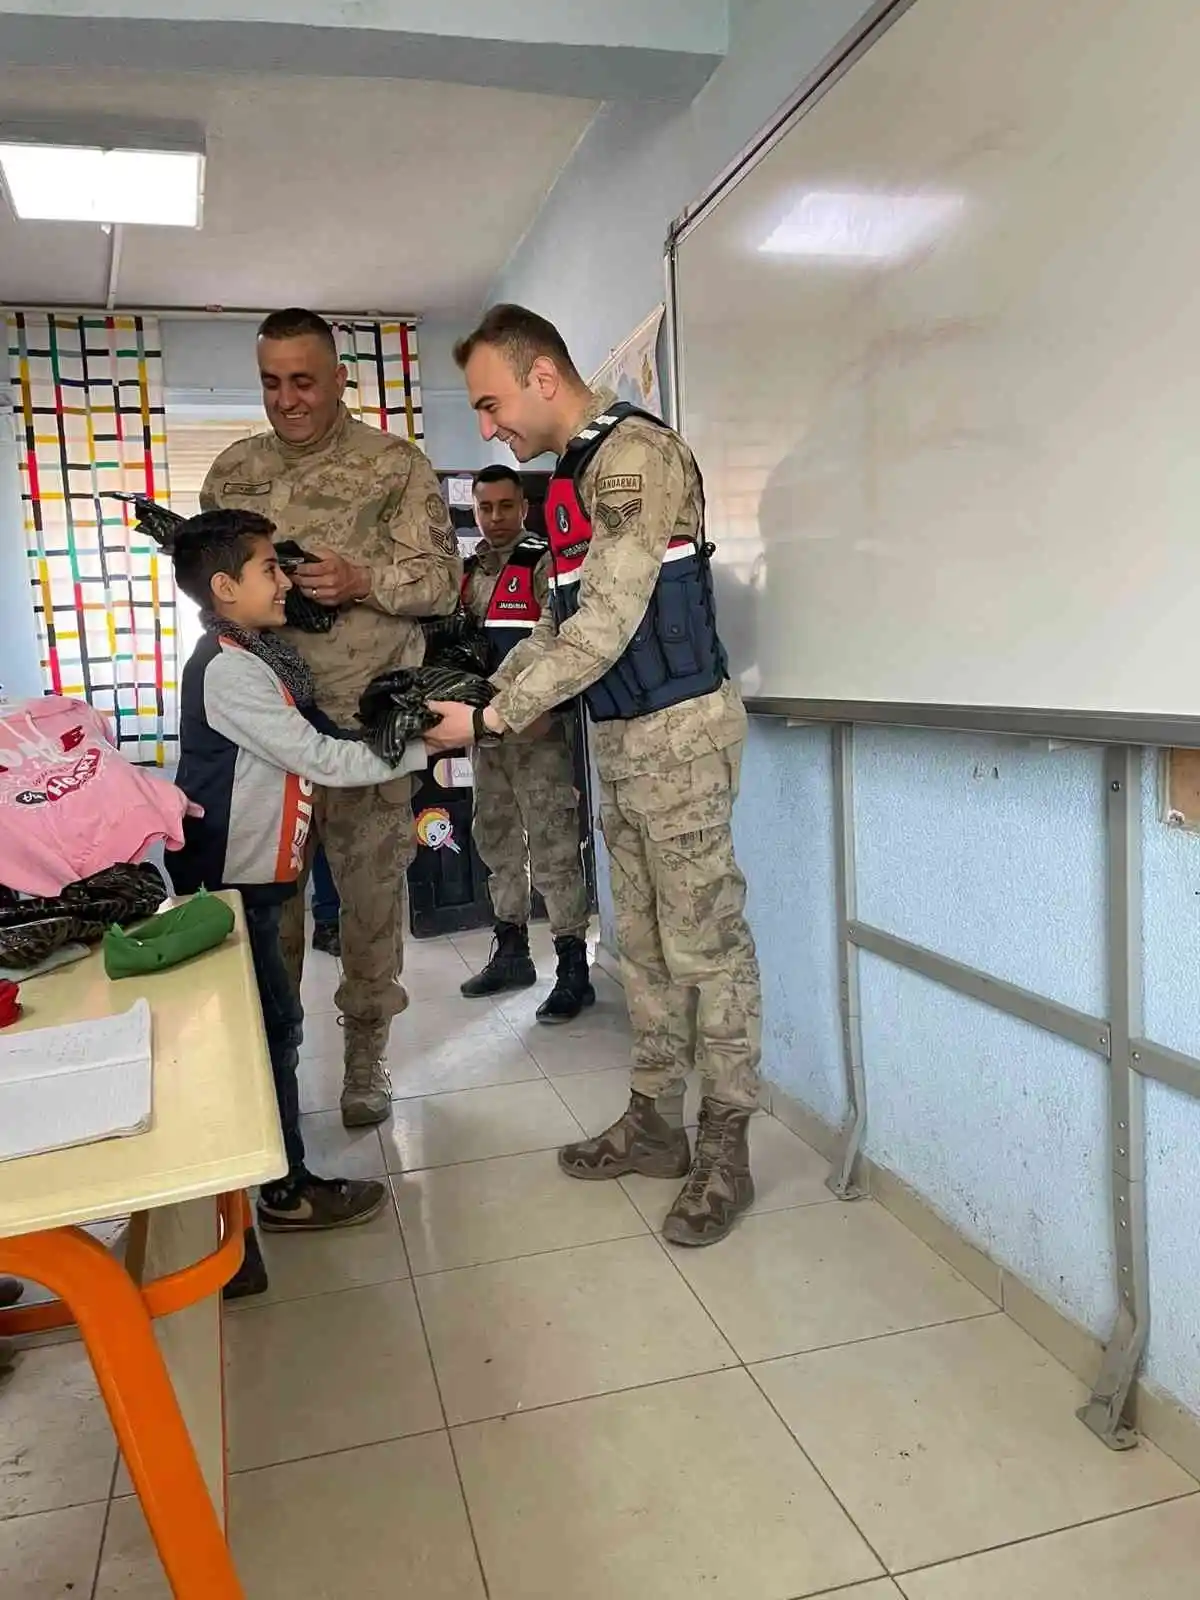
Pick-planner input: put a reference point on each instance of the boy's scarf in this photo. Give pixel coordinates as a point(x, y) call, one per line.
point(288, 665)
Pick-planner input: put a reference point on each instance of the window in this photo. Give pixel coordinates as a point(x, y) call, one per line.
point(192, 447)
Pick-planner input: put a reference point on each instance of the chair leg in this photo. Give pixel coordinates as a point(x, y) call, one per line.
point(119, 1336)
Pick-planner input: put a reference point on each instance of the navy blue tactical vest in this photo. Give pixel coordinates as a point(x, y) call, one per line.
point(675, 653)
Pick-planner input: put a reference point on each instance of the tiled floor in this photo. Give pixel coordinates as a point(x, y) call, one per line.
point(507, 1386)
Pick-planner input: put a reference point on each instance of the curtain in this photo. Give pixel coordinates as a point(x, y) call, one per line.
point(89, 402)
point(385, 383)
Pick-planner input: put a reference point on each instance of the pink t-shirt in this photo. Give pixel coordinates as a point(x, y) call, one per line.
point(69, 804)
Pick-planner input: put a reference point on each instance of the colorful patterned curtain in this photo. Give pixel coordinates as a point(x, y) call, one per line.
point(385, 383)
point(89, 397)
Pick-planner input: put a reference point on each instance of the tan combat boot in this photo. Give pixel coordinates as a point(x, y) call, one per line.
point(719, 1186)
point(367, 1087)
point(641, 1140)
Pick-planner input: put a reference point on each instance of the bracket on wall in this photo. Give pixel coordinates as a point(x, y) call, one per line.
point(842, 1176)
point(1105, 1412)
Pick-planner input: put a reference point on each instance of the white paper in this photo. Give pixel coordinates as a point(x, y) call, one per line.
point(75, 1084)
point(461, 491)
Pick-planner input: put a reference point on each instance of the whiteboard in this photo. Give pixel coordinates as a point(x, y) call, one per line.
point(937, 350)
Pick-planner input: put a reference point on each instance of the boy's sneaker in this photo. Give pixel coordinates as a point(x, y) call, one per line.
point(305, 1204)
point(327, 937)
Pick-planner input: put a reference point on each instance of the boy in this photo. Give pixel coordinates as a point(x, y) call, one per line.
point(252, 745)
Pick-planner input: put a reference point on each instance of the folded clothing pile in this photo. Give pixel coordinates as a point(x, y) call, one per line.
point(71, 804)
point(32, 928)
point(393, 709)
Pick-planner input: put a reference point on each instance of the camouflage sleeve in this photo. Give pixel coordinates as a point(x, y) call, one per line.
point(638, 494)
point(425, 572)
point(209, 489)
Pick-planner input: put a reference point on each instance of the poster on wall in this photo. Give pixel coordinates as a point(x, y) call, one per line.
point(632, 369)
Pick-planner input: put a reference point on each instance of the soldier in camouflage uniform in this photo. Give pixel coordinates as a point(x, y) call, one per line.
point(526, 815)
point(366, 505)
point(632, 630)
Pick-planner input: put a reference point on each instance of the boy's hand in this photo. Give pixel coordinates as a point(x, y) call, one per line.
point(331, 580)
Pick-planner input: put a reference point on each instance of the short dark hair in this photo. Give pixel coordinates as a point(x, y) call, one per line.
point(297, 323)
point(498, 474)
point(214, 542)
point(522, 336)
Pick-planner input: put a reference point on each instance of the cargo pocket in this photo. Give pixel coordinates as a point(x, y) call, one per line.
point(397, 791)
point(677, 601)
point(683, 800)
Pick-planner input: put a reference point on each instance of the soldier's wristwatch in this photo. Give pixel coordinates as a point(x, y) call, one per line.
point(483, 734)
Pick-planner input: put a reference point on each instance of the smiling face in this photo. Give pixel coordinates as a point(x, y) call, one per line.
point(302, 387)
point(524, 413)
point(255, 598)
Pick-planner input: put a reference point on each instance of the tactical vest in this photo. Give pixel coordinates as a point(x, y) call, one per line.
point(513, 610)
point(675, 653)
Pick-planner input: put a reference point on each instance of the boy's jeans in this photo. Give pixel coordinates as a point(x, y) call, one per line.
point(325, 901)
point(283, 1020)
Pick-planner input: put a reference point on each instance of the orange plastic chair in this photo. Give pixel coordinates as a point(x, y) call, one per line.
point(115, 1320)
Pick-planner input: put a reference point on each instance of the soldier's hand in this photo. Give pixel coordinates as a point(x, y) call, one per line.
point(455, 730)
point(332, 580)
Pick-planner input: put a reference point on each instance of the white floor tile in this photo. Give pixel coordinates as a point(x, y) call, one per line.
point(1148, 1555)
point(332, 1151)
point(57, 1447)
point(385, 1520)
point(330, 1373)
point(472, 1058)
point(823, 1275)
point(684, 1489)
point(51, 1554)
point(949, 1440)
point(534, 1332)
point(475, 1124)
point(496, 1210)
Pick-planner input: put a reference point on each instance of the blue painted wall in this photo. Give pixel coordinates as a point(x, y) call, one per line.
point(988, 850)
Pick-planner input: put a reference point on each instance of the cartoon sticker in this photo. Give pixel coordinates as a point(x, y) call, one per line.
point(435, 830)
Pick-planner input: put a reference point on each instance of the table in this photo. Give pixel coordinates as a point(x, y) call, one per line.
point(214, 1132)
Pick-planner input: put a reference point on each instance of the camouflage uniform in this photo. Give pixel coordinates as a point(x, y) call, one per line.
point(374, 499)
point(668, 783)
point(526, 807)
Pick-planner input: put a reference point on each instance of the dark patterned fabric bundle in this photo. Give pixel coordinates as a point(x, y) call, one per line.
point(34, 927)
point(392, 709)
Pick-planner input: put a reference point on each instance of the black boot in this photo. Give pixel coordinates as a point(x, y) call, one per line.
point(510, 966)
point(572, 989)
point(327, 937)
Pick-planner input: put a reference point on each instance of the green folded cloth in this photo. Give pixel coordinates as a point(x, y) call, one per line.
point(164, 941)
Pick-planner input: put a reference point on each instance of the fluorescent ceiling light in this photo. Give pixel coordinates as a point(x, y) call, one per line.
point(77, 183)
point(861, 226)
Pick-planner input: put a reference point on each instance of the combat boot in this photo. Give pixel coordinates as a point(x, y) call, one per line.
point(641, 1140)
point(367, 1088)
point(572, 988)
point(719, 1187)
point(509, 967)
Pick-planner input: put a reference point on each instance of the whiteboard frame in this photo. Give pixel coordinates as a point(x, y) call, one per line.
point(1092, 727)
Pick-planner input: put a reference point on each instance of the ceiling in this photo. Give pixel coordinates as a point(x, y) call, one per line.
point(352, 194)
